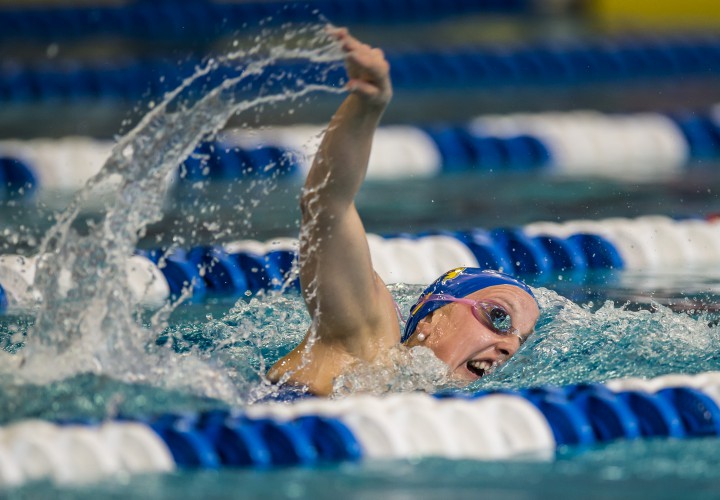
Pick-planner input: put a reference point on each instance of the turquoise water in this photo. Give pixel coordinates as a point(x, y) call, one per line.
point(573, 343)
point(90, 354)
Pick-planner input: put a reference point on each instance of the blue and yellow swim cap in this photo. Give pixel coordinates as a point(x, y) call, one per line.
point(457, 282)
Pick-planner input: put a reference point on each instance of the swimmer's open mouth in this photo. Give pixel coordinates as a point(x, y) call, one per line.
point(478, 367)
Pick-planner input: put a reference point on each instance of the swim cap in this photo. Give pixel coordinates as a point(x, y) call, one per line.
point(457, 282)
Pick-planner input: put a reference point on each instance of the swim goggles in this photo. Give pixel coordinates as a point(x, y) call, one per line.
point(494, 316)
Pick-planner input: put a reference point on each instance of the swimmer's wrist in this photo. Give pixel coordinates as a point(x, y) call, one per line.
point(372, 96)
point(370, 105)
point(359, 109)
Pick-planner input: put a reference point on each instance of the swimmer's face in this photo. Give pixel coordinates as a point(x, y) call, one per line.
point(470, 347)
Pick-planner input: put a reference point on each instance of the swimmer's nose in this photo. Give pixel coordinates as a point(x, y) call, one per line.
point(507, 346)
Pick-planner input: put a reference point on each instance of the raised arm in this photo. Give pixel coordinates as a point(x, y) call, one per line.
point(353, 313)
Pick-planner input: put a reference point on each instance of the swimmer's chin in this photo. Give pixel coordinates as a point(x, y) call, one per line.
point(466, 373)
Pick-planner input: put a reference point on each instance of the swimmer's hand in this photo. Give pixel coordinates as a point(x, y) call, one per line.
point(368, 70)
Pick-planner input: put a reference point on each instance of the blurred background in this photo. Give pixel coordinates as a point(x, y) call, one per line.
point(506, 112)
point(575, 143)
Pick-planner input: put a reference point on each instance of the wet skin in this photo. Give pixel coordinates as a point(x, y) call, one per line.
point(353, 314)
point(469, 347)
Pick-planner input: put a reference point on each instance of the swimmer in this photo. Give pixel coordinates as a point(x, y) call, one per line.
point(472, 320)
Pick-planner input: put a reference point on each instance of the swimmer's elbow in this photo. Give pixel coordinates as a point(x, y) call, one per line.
point(287, 373)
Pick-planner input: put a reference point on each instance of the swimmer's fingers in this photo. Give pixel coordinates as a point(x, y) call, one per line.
point(347, 41)
point(369, 79)
point(368, 65)
point(367, 68)
point(351, 45)
point(363, 88)
point(336, 32)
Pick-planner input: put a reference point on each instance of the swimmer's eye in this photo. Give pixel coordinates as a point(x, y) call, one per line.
point(499, 318)
point(489, 314)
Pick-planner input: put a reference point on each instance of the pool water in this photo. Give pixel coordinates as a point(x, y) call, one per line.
point(90, 354)
point(574, 343)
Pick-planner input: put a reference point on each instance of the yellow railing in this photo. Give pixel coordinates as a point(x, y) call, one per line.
point(657, 13)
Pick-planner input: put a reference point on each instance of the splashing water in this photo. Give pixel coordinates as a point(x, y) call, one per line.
point(87, 321)
point(574, 344)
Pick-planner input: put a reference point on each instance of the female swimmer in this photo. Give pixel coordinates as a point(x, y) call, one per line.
point(471, 319)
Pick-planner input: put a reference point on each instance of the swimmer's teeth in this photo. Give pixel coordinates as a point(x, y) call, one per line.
point(481, 364)
point(479, 367)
